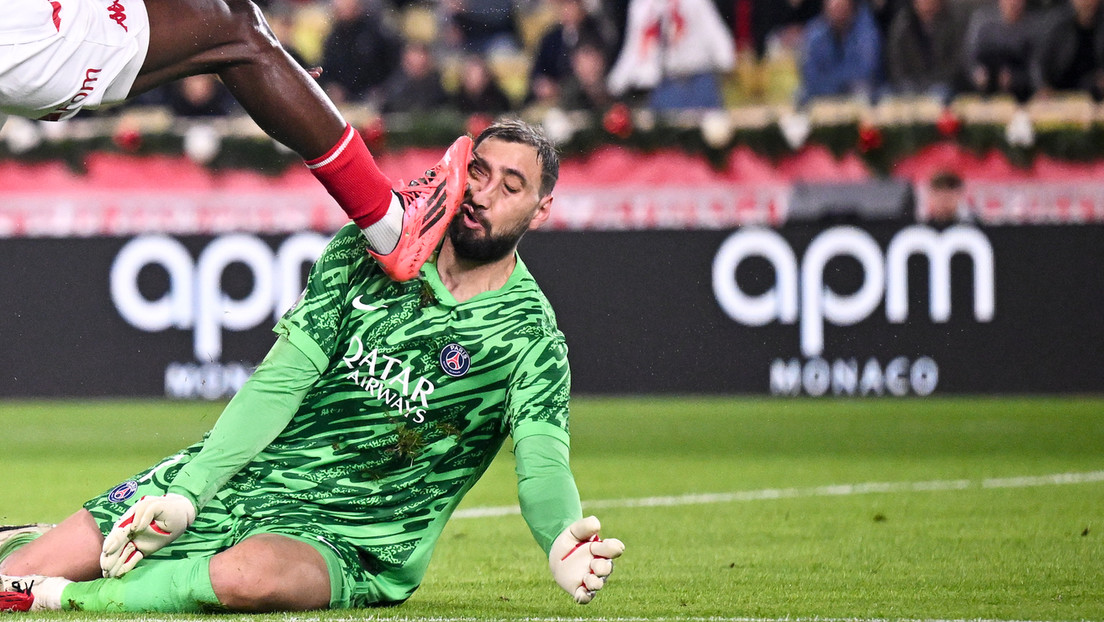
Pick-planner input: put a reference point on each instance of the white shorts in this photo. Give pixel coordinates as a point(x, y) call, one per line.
point(58, 56)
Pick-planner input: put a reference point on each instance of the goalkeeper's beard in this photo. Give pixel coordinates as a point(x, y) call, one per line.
point(482, 245)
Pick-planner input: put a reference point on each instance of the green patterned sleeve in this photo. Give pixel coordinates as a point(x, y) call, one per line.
point(256, 415)
point(540, 389)
point(547, 493)
point(272, 395)
point(312, 323)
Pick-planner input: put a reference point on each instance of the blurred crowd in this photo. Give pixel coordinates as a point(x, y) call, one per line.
point(496, 56)
point(942, 48)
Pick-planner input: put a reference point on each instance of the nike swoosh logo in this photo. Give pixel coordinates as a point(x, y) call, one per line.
point(364, 306)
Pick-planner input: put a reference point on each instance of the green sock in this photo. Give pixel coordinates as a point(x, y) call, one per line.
point(161, 586)
point(15, 542)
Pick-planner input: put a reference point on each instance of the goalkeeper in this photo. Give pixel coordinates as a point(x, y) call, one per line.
point(329, 477)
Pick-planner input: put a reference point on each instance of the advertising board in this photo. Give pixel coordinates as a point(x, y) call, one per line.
point(879, 309)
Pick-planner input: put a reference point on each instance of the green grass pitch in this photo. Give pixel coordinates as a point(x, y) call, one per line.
point(731, 508)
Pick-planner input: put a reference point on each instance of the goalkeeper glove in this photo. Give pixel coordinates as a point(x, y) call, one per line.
point(580, 561)
point(148, 525)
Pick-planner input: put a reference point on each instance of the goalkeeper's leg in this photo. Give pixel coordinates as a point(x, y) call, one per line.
point(266, 572)
point(70, 550)
point(270, 572)
point(15, 537)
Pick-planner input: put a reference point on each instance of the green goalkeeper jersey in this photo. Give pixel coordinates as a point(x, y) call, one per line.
point(416, 395)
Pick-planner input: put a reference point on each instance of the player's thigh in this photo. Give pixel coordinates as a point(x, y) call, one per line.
point(189, 37)
point(70, 550)
point(271, 572)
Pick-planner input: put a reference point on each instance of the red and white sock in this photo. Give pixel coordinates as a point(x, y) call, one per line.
point(383, 235)
point(47, 593)
point(349, 173)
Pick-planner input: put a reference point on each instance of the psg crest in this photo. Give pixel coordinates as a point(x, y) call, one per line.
point(123, 491)
point(455, 360)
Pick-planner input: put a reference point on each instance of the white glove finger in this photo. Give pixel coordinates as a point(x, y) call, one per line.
point(162, 527)
point(583, 595)
point(129, 562)
point(145, 512)
point(106, 563)
point(121, 563)
point(601, 567)
point(114, 542)
point(585, 528)
point(168, 516)
point(610, 549)
point(111, 563)
point(120, 532)
point(593, 582)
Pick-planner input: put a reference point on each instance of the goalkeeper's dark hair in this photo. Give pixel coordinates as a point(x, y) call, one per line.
point(517, 131)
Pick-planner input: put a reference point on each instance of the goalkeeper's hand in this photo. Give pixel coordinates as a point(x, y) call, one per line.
point(580, 561)
point(148, 525)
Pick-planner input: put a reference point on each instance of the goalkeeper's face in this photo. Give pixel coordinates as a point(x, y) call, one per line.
point(502, 201)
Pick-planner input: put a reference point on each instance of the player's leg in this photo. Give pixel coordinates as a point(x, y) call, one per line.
point(266, 572)
point(70, 550)
point(15, 537)
point(231, 38)
point(270, 572)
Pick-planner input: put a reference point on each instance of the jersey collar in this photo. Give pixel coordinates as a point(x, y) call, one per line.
point(444, 296)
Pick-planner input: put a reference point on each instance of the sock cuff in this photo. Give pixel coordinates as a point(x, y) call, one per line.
point(350, 174)
point(336, 151)
point(48, 593)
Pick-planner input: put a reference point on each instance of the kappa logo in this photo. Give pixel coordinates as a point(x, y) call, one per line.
point(364, 306)
point(455, 360)
point(117, 12)
point(57, 14)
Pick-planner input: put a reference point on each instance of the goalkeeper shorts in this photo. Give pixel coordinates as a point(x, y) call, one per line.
point(217, 528)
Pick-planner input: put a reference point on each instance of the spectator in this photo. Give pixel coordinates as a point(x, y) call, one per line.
point(482, 26)
point(770, 17)
point(616, 14)
point(479, 89)
point(1071, 53)
point(842, 54)
point(585, 88)
point(674, 49)
point(360, 52)
point(199, 96)
point(924, 50)
point(885, 11)
point(280, 16)
point(946, 201)
point(416, 86)
point(1000, 44)
point(552, 61)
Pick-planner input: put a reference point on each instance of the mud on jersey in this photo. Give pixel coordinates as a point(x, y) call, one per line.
point(416, 396)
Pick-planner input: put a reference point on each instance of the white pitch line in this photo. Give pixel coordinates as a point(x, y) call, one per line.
point(298, 618)
point(837, 490)
point(370, 617)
